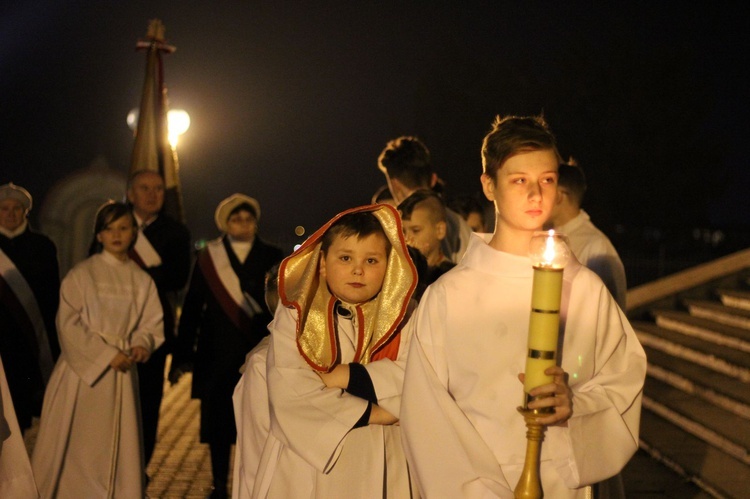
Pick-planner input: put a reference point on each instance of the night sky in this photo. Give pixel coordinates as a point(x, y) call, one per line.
point(292, 102)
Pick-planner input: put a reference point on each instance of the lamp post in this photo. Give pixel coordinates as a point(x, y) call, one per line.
point(178, 122)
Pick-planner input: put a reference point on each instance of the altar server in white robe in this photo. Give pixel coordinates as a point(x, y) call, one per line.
point(344, 293)
point(16, 478)
point(462, 433)
point(589, 244)
point(110, 318)
point(250, 403)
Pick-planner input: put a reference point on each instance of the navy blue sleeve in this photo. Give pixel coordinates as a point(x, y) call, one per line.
point(360, 384)
point(365, 419)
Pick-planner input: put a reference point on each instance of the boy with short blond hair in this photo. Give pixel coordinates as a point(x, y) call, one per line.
point(462, 433)
point(424, 220)
point(335, 363)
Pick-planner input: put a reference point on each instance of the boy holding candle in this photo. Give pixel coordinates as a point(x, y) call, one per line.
point(462, 433)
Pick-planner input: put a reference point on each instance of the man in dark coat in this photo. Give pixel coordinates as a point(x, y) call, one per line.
point(223, 318)
point(29, 296)
point(163, 250)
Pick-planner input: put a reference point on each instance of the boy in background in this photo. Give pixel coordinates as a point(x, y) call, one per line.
point(589, 244)
point(423, 216)
point(471, 210)
point(335, 363)
point(407, 166)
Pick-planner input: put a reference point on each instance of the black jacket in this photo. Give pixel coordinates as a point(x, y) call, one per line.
point(207, 337)
point(35, 257)
point(171, 239)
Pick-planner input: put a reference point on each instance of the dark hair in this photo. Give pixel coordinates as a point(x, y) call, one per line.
point(465, 205)
point(407, 160)
point(108, 213)
point(138, 173)
point(243, 207)
point(360, 224)
point(272, 288)
point(382, 194)
point(511, 135)
point(423, 271)
point(272, 278)
point(423, 198)
point(572, 180)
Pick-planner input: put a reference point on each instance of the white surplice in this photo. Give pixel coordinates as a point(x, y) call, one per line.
point(594, 250)
point(312, 450)
point(16, 478)
point(252, 418)
point(462, 432)
point(89, 443)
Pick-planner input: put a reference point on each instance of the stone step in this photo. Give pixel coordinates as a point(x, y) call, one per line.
point(735, 298)
point(716, 472)
point(722, 314)
point(646, 477)
point(721, 359)
point(713, 387)
point(705, 329)
point(714, 425)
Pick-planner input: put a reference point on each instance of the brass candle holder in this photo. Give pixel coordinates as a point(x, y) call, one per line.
point(549, 253)
point(529, 485)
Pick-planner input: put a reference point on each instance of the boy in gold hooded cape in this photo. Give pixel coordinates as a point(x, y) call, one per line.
point(335, 362)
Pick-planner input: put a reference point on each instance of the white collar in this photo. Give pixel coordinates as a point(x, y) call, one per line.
point(573, 223)
point(241, 248)
point(10, 234)
point(143, 224)
point(111, 259)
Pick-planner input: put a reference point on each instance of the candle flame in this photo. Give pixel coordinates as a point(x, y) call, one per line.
point(549, 250)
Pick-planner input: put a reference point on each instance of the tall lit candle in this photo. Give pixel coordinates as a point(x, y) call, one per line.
point(549, 253)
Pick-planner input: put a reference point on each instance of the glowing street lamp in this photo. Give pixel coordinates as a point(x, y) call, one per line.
point(178, 122)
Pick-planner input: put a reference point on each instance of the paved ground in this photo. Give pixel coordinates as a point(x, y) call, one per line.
point(181, 467)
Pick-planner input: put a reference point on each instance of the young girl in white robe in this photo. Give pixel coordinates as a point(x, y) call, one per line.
point(90, 443)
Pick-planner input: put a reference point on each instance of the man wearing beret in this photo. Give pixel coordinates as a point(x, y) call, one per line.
point(29, 296)
point(163, 250)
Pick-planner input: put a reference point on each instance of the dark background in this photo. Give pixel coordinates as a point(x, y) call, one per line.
point(291, 102)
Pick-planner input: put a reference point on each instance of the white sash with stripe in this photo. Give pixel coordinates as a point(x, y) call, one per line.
point(20, 288)
point(146, 251)
point(229, 279)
